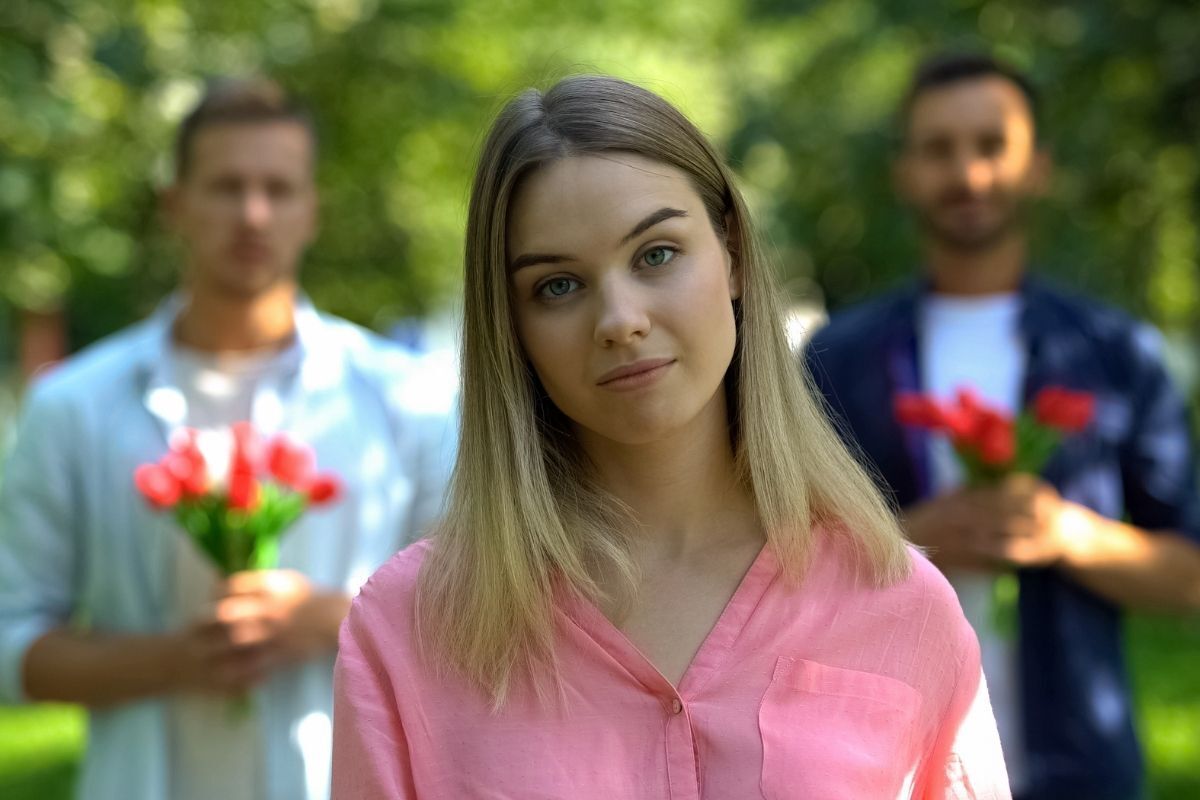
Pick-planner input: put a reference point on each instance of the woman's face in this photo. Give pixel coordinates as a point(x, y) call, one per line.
point(622, 294)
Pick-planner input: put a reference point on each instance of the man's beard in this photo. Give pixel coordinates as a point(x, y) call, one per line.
point(978, 240)
point(242, 287)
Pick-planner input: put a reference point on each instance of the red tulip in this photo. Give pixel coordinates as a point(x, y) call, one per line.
point(970, 400)
point(294, 464)
point(324, 490)
point(972, 412)
point(918, 410)
point(186, 463)
point(960, 423)
point(243, 490)
point(1064, 409)
point(923, 411)
point(157, 485)
point(996, 439)
point(247, 449)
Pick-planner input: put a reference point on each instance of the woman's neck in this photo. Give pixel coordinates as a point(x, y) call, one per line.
point(683, 489)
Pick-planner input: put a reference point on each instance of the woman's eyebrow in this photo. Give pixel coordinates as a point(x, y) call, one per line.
point(530, 259)
point(653, 219)
point(650, 220)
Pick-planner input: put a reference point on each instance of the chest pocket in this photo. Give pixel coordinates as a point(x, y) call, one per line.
point(836, 734)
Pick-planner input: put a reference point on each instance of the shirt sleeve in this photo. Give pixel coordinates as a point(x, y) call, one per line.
point(816, 373)
point(435, 463)
point(38, 548)
point(1158, 462)
point(421, 394)
point(966, 761)
point(370, 752)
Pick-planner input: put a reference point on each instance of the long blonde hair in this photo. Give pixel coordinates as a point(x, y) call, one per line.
point(525, 518)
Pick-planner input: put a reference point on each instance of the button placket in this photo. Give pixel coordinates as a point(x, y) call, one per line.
point(683, 768)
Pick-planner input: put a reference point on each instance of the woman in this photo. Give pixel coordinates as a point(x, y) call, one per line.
point(660, 574)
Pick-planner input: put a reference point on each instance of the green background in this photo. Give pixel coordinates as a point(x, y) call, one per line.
point(800, 94)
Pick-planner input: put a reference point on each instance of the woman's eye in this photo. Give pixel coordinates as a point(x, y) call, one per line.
point(657, 256)
point(557, 287)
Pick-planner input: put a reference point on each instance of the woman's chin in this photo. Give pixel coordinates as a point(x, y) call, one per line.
point(654, 420)
point(639, 430)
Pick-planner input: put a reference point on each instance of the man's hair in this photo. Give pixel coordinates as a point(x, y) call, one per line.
point(946, 68)
point(254, 100)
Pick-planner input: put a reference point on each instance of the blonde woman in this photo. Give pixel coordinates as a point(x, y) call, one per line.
point(659, 575)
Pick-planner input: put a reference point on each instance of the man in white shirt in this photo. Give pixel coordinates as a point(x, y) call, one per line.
point(103, 601)
point(1113, 520)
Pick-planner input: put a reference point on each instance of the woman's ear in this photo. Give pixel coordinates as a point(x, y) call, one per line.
point(733, 255)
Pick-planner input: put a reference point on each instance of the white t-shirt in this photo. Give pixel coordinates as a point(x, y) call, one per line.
point(976, 342)
point(216, 748)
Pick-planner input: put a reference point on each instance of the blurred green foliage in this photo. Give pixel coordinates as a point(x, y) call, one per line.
point(800, 93)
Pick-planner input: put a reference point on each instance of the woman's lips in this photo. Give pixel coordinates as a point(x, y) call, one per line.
point(635, 375)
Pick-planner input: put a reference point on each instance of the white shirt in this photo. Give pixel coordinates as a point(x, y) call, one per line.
point(216, 748)
point(975, 342)
point(77, 542)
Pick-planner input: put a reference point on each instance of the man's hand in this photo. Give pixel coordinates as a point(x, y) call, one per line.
point(280, 612)
point(946, 527)
point(1022, 522)
point(203, 658)
point(101, 669)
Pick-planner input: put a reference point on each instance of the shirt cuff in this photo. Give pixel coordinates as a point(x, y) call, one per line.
point(15, 640)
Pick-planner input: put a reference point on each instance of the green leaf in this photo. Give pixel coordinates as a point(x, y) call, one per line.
point(1005, 594)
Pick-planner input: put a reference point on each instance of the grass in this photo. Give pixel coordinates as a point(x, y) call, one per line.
point(1164, 658)
point(40, 746)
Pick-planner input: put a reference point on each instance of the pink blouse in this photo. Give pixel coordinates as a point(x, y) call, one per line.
point(828, 690)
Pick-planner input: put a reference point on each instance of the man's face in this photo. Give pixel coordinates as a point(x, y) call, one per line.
point(247, 206)
point(970, 162)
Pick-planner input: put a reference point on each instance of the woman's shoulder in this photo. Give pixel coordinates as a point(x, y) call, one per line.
point(921, 605)
point(931, 622)
point(388, 598)
point(931, 593)
point(911, 629)
point(928, 601)
point(925, 581)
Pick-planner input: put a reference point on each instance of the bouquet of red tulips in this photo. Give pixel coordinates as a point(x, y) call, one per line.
point(991, 444)
point(238, 521)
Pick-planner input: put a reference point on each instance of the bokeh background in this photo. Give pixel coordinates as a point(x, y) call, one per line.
point(801, 95)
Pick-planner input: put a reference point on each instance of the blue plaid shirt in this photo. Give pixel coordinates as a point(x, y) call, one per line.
point(1135, 463)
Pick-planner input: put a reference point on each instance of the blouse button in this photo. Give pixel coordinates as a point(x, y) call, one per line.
point(676, 705)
